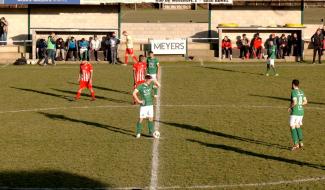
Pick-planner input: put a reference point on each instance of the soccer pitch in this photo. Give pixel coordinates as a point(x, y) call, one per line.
point(222, 127)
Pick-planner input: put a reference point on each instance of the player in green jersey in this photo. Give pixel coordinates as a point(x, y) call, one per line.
point(271, 55)
point(145, 90)
point(296, 110)
point(153, 69)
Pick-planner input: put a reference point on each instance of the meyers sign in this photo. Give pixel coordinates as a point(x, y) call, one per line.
point(176, 47)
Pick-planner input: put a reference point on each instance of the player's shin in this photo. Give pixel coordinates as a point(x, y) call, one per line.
point(126, 59)
point(294, 135)
point(151, 127)
point(299, 132)
point(139, 127)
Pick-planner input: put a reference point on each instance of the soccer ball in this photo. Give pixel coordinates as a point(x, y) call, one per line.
point(156, 134)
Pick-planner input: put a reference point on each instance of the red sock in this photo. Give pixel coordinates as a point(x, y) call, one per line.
point(126, 59)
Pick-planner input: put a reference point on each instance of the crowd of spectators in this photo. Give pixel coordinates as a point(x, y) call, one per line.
point(286, 45)
point(58, 49)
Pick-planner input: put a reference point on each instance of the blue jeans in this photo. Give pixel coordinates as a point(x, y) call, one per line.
point(51, 55)
point(3, 37)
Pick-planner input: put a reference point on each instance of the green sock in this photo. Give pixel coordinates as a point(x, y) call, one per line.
point(294, 135)
point(299, 132)
point(139, 128)
point(151, 127)
point(155, 90)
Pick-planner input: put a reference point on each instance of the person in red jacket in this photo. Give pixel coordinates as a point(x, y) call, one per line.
point(226, 48)
point(257, 46)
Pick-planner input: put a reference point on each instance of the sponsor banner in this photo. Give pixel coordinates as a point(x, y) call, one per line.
point(169, 47)
point(56, 2)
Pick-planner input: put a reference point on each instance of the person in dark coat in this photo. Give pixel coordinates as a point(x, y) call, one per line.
point(317, 41)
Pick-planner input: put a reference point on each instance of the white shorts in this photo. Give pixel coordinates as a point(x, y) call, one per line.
point(295, 120)
point(271, 62)
point(146, 112)
point(154, 76)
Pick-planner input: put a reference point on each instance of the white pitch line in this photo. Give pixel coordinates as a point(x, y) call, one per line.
point(155, 146)
point(167, 105)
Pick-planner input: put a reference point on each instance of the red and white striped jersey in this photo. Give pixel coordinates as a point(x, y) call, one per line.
point(140, 69)
point(85, 71)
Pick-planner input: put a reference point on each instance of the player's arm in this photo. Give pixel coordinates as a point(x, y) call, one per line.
point(156, 84)
point(135, 96)
point(158, 71)
point(91, 76)
point(305, 102)
point(292, 104)
point(134, 75)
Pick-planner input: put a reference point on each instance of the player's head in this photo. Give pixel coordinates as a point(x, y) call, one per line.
point(148, 79)
point(225, 38)
point(151, 54)
point(95, 37)
point(244, 35)
point(318, 31)
point(142, 58)
point(295, 83)
point(125, 33)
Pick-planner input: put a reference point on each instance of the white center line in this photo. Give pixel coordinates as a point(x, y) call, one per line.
point(155, 151)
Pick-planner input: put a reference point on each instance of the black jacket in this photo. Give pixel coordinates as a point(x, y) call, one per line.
point(317, 40)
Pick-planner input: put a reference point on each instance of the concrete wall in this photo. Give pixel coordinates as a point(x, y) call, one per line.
point(17, 18)
point(248, 16)
point(102, 17)
point(143, 31)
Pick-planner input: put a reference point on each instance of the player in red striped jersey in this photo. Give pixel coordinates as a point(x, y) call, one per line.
point(139, 72)
point(86, 79)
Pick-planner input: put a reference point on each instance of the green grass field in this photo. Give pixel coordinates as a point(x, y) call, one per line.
point(222, 127)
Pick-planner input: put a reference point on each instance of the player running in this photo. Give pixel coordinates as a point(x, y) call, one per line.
point(296, 110)
point(153, 69)
point(145, 91)
point(86, 79)
point(271, 55)
point(129, 48)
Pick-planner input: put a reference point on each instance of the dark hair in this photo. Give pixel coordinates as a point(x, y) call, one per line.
point(150, 52)
point(148, 77)
point(295, 82)
point(140, 57)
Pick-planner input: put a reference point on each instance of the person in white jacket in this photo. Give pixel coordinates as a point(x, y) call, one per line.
point(95, 46)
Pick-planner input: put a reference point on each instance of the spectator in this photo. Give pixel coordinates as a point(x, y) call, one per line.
point(60, 50)
point(40, 50)
point(297, 47)
point(226, 48)
point(283, 46)
point(72, 48)
point(50, 49)
point(95, 46)
point(257, 46)
point(84, 45)
point(3, 31)
point(105, 46)
point(113, 45)
point(244, 47)
point(289, 47)
point(317, 41)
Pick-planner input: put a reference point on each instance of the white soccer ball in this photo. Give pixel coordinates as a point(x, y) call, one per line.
point(156, 134)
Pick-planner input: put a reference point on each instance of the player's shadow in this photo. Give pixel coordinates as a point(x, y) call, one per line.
point(88, 95)
point(284, 99)
point(43, 93)
point(230, 70)
point(259, 155)
point(224, 135)
point(89, 123)
point(105, 88)
point(47, 179)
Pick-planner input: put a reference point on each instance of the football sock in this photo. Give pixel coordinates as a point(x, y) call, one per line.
point(92, 93)
point(151, 127)
point(139, 128)
point(294, 135)
point(299, 132)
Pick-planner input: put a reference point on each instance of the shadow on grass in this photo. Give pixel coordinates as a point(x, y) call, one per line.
point(88, 95)
point(259, 155)
point(47, 179)
point(233, 71)
point(224, 135)
point(43, 93)
point(105, 88)
point(89, 123)
point(284, 99)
